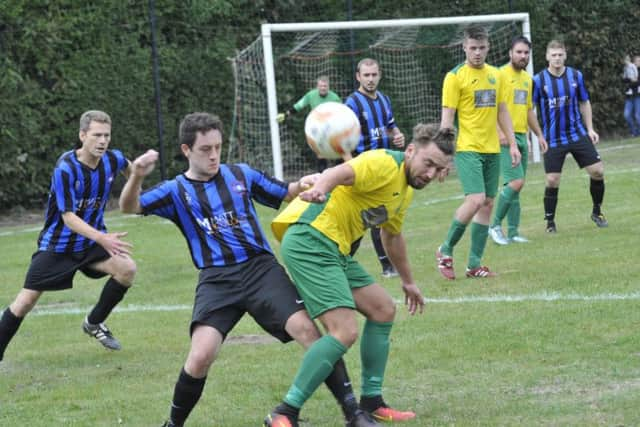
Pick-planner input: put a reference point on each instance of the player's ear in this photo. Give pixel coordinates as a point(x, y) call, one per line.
point(185, 149)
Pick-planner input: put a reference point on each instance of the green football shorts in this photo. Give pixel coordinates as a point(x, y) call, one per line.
point(478, 172)
point(324, 277)
point(508, 173)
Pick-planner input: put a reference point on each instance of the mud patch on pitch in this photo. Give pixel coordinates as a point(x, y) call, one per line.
point(250, 339)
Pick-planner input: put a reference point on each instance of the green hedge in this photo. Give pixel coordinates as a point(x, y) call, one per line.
point(61, 58)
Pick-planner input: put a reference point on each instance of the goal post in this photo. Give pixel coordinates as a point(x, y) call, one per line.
point(415, 54)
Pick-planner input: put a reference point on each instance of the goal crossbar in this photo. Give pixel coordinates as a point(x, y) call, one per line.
point(270, 80)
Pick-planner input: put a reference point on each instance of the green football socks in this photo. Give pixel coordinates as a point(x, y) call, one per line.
point(456, 230)
point(374, 352)
point(513, 216)
point(316, 366)
point(507, 195)
point(479, 234)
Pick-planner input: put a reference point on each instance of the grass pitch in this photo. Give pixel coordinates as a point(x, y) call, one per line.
point(553, 340)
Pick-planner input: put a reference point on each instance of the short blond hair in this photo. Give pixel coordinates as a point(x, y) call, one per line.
point(556, 44)
point(93, 116)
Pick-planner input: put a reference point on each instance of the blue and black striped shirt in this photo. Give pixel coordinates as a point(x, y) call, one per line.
point(217, 217)
point(558, 102)
point(376, 120)
point(77, 188)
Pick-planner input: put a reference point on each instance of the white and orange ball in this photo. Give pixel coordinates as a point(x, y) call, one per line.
point(332, 129)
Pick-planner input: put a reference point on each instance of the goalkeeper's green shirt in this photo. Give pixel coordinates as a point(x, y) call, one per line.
point(313, 99)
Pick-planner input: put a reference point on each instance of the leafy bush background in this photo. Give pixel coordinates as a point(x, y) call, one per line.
point(59, 58)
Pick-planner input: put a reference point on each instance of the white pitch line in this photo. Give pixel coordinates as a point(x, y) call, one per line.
point(544, 297)
point(125, 309)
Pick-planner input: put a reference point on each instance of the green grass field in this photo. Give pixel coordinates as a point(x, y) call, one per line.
point(554, 340)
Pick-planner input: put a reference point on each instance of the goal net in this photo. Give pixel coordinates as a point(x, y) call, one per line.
point(284, 63)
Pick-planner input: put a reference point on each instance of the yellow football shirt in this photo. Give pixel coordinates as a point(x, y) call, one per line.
point(475, 95)
point(519, 87)
point(379, 196)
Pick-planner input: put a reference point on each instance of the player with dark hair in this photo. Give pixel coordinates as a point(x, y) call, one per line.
point(212, 205)
point(378, 130)
point(74, 237)
point(475, 94)
point(317, 231)
point(519, 86)
point(565, 113)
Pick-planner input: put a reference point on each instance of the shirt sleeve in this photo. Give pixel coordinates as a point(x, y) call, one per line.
point(450, 91)
point(583, 94)
point(302, 102)
point(530, 95)
point(503, 91)
point(373, 169)
point(351, 103)
point(265, 189)
point(536, 90)
point(391, 121)
point(158, 201)
point(63, 190)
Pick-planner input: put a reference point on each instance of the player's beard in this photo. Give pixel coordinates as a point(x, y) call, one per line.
point(520, 65)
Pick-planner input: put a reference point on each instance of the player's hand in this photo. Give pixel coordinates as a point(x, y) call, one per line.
point(280, 117)
point(143, 165)
point(398, 139)
point(595, 138)
point(515, 155)
point(114, 245)
point(313, 196)
point(543, 144)
point(307, 181)
point(413, 298)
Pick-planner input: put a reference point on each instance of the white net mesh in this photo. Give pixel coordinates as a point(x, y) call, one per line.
point(413, 60)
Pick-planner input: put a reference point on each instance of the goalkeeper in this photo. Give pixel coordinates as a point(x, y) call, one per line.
point(312, 99)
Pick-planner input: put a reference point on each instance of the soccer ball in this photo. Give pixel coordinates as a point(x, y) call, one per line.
point(332, 129)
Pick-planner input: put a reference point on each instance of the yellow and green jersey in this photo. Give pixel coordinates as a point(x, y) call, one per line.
point(475, 94)
point(379, 196)
point(519, 88)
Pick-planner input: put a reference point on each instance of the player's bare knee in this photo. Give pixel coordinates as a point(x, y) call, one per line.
point(303, 330)
point(476, 201)
point(384, 311)
point(517, 185)
point(552, 181)
point(199, 361)
point(347, 334)
point(597, 174)
point(24, 302)
point(125, 271)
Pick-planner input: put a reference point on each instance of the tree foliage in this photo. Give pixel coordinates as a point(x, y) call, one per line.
point(63, 57)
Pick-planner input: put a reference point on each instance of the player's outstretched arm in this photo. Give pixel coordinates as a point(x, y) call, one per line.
point(140, 168)
point(301, 185)
point(342, 174)
point(396, 249)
